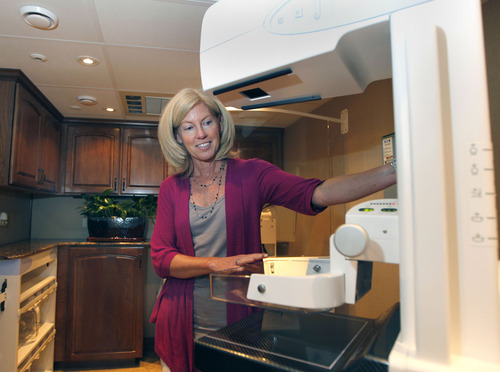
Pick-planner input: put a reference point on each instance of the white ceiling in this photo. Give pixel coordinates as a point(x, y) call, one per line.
point(144, 47)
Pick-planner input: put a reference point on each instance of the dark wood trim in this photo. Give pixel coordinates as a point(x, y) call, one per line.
point(111, 122)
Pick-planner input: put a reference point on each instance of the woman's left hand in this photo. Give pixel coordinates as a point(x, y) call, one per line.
point(184, 267)
point(245, 259)
point(232, 262)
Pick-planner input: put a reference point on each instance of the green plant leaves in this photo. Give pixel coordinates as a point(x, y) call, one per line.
point(100, 205)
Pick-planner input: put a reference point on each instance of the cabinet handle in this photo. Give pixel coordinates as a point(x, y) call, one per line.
point(44, 177)
point(41, 176)
point(116, 184)
point(123, 184)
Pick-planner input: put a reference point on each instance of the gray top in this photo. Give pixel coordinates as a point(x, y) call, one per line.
point(209, 240)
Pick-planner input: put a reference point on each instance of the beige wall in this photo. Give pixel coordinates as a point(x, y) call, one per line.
point(315, 149)
point(310, 149)
point(18, 208)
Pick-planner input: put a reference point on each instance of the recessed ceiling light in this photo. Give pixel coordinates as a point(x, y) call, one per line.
point(38, 57)
point(88, 61)
point(109, 109)
point(76, 108)
point(39, 17)
point(87, 100)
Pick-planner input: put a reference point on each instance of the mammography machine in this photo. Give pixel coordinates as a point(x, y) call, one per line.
point(266, 53)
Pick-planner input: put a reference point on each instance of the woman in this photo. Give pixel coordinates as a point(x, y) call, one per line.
point(209, 218)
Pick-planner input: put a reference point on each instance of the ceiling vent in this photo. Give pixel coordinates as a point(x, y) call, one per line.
point(144, 104)
point(155, 105)
point(87, 100)
point(134, 104)
point(39, 17)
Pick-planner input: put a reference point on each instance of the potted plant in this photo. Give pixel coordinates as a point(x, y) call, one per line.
point(110, 219)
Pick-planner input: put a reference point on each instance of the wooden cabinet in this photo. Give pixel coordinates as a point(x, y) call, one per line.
point(143, 166)
point(92, 159)
point(49, 153)
point(127, 159)
point(28, 120)
point(34, 150)
point(100, 303)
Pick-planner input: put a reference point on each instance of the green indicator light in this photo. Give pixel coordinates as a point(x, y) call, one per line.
point(366, 209)
point(389, 210)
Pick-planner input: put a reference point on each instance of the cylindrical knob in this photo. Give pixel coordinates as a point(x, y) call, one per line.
point(261, 288)
point(350, 240)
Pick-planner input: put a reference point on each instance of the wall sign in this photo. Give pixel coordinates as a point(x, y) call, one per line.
point(388, 148)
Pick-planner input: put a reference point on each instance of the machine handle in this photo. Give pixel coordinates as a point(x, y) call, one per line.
point(351, 240)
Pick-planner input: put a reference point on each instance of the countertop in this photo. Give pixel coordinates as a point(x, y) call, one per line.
point(25, 248)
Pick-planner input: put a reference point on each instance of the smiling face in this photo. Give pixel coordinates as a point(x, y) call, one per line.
point(200, 134)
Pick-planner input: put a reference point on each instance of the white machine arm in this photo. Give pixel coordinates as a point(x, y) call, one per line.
point(370, 234)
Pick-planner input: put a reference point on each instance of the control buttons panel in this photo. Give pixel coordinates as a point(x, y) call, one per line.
point(298, 16)
point(304, 16)
point(481, 196)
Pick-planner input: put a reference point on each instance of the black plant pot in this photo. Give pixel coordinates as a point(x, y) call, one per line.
point(117, 227)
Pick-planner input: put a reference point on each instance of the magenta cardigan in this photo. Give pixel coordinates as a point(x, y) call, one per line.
point(250, 184)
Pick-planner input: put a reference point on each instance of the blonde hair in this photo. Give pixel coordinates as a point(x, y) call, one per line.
point(175, 111)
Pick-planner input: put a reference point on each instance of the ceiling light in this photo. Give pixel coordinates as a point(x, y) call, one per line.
point(76, 108)
point(109, 109)
point(88, 61)
point(87, 100)
point(39, 17)
point(38, 57)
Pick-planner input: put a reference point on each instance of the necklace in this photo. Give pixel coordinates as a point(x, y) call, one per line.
point(212, 207)
point(211, 182)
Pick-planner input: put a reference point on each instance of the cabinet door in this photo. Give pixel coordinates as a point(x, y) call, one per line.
point(48, 156)
point(92, 159)
point(105, 303)
point(143, 166)
point(27, 120)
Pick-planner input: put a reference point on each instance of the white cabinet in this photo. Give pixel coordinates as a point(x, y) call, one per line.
point(27, 317)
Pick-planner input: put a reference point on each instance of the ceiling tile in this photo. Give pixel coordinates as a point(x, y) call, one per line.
point(77, 20)
point(61, 67)
point(154, 70)
point(162, 24)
